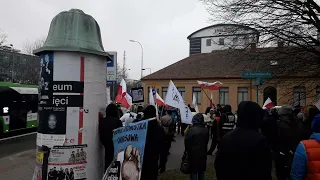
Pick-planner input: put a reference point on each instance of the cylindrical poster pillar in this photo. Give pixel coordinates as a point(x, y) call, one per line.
point(71, 93)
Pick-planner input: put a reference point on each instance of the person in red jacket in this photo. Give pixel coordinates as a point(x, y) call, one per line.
point(306, 161)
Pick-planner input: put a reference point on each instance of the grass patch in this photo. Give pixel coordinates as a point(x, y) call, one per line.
point(177, 175)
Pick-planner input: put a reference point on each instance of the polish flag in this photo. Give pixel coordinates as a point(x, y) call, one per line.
point(211, 86)
point(126, 101)
point(268, 104)
point(122, 91)
point(159, 100)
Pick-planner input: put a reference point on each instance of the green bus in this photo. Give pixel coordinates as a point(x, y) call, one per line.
point(18, 106)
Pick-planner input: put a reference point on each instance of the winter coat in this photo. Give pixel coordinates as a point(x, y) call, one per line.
point(196, 143)
point(268, 127)
point(244, 153)
point(154, 150)
point(106, 127)
point(154, 147)
point(306, 161)
point(287, 131)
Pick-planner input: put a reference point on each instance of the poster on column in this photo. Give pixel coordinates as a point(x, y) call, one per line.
point(129, 142)
point(37, 174)
point(61, 98)
point(67, 162)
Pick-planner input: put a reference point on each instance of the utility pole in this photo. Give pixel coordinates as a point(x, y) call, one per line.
point(124, 66)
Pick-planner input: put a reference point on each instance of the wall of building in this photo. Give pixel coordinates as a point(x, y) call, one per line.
point(233, 37)
point(235, 42)
point(284, 91)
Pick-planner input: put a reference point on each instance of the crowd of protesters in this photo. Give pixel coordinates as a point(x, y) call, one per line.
point(246, 143)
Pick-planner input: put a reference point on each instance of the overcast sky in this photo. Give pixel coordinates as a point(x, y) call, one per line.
point(161, 27)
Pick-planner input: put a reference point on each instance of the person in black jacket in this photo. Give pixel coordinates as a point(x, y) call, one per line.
point(196, 143)
point(155, 150)
point(269, 126)
point(106, 127)
point(228, 121)
point(286, 142)
point(244, 153)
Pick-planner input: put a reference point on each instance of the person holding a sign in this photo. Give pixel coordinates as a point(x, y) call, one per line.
point(154, 147)
point(106, 127)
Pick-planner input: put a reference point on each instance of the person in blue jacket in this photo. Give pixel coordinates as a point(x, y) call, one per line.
point(306, 161)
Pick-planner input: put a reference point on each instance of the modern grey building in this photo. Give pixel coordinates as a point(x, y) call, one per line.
point(222, 36)
point(19, 68)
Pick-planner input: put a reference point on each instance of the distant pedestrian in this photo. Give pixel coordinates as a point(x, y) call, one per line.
point(196, 142)
point(244, 153)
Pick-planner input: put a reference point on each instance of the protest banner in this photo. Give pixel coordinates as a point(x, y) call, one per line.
point(129, 142)
point(68, 161)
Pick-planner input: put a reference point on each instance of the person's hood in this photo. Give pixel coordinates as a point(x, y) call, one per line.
point(316, 124)
point(250, 115)
point(226, 108)
point(315, 136)
point(149, 112)
point(112, 111)
point(198, 119)
point(285, 111)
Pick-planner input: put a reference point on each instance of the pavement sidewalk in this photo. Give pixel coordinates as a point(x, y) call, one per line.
point(18, 166)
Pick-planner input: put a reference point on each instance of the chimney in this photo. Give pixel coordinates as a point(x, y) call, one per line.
point(280, 44)
point(253, 47)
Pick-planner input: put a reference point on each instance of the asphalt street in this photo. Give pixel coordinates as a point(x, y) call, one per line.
point(17, 144)
point(17, 157)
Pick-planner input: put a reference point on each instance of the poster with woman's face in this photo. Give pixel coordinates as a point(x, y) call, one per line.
point(53, 120)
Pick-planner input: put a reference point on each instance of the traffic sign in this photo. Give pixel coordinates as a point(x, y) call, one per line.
point(256, 74)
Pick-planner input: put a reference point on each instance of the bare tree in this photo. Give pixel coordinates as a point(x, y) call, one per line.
point(3, 37)
point(293, 24)
point(30, 46)
point(122, 73)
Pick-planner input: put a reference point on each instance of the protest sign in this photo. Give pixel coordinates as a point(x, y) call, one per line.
point(129, 142)
point(68, 161)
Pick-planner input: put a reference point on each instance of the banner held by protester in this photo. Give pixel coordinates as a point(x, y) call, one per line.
point(129, 142)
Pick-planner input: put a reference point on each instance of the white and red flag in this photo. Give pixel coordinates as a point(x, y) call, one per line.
point(122, 91)
point(268, 104)
point(122, 96)
point(159, 100)
point(211, 86)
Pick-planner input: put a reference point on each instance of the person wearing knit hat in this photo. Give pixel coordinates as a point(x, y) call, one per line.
point(306, 161)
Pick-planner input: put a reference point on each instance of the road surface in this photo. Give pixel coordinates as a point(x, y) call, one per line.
point(17, 159)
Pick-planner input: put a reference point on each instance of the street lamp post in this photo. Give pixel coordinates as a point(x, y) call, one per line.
point(146, 69)
point(141, 56)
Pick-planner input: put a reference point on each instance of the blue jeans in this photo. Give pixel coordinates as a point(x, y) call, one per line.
point(197, 176)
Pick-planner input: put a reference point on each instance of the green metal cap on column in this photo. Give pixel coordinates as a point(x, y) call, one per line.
point(75, 31)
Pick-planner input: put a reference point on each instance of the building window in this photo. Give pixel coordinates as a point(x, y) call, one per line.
point(196, 91)
point(246, 39)
point(299, 96)
point(318, 92)
point(242, 94)
point(235, 40)
point(208, 42)
point(164, 92)
point(182, 91)
point(224, 96)
point(221, 41)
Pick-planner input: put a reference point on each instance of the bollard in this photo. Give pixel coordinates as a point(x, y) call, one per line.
point(72, 91)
